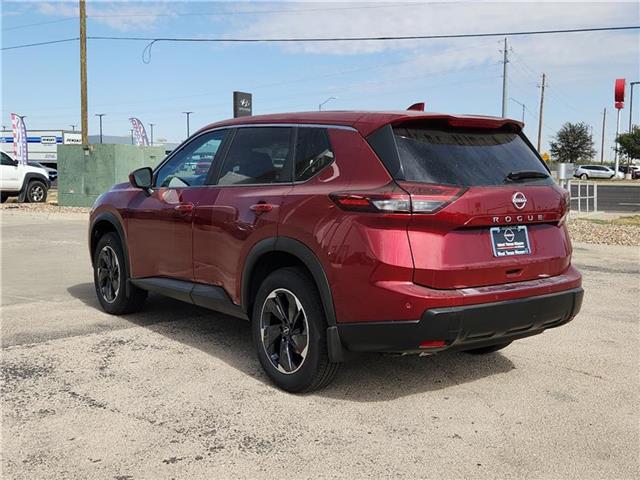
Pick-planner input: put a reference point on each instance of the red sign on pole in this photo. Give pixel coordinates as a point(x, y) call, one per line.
point(619, 93)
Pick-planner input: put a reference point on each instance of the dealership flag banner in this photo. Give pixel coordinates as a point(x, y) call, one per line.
point(19, 139)
point(140, 132)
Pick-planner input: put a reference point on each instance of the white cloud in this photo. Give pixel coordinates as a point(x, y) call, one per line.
point(392, 19)
point(123, 16)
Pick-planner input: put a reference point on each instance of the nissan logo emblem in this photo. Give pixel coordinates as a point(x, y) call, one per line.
point(509, 235)
point(519, 200)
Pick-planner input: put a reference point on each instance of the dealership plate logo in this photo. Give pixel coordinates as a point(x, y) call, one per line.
point(509, 235)
point(519, 200)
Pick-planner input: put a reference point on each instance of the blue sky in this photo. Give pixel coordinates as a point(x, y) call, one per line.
point(457, 76)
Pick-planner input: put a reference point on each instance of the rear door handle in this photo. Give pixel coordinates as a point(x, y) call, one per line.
point(184, 208)
point(261, 207)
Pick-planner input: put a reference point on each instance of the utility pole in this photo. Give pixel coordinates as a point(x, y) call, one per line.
point(505, 62)
point(604, 123)
point(132, 136)
point(73, 127)
point(542, 86)
point(187, 114)
point(631, 85)
point(151, 125)
point(100, 115)
point(84, 122)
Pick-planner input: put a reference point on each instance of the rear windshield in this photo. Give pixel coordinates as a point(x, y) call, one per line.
point(466, 157)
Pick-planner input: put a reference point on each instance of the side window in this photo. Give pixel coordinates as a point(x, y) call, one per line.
point(190, 166)
point(257, 155)
point(313, 152)
point(6, 160)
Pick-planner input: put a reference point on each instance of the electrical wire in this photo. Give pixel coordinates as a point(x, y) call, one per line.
point(152, 40)
point(64, 40)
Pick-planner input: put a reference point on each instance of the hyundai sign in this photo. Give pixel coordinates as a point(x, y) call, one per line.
point(242, 104)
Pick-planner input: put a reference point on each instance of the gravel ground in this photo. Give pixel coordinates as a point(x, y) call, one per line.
point(582, 230)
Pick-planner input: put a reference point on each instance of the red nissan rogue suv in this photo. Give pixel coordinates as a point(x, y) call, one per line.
point(335, 232)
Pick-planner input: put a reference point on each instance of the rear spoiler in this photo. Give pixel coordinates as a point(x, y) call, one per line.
point(461, 121)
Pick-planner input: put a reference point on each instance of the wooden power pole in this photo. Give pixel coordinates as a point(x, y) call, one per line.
point(544, 79)
point(84, 123)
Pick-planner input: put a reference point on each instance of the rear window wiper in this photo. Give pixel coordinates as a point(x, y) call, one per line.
point(524, 174)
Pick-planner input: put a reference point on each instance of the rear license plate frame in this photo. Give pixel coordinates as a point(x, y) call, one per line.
point(510, 241)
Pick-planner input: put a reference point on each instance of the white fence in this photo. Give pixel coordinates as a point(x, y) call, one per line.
point(583, 195)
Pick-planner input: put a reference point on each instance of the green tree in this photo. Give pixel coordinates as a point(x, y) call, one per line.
point(572, 143)
point(629, 144)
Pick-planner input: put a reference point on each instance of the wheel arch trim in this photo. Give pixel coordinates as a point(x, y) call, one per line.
point(112, 219)
point(301, 252)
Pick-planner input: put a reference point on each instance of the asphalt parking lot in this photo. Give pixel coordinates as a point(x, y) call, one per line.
point(176, 392)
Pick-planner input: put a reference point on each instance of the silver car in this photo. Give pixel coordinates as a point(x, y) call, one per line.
point(584, 172)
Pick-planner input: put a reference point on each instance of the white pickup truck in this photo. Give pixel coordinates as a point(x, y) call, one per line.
point(26, 182)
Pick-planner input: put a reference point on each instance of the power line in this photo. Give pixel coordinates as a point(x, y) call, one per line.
point(64, 40)
point(341, 39)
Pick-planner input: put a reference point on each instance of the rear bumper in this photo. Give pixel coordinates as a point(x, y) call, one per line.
point(467, 326)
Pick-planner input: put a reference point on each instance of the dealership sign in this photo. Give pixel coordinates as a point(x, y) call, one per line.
point(619, 93)
point(71, 138)
point(242, 104)
point(19, 139)
point(140, 132)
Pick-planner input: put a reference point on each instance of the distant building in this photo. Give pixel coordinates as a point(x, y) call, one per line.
point(43, 144)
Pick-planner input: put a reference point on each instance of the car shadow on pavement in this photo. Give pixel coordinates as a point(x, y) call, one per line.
point(363, 378)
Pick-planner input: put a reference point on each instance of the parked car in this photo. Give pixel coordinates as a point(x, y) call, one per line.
point(586, 172)
point(27, 182)
point(52, 173)
point(336, 232)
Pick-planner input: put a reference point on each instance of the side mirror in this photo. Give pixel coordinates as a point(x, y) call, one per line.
point(142, 178)
point(16, 163)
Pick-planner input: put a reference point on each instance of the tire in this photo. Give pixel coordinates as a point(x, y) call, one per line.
point(306, 367)
point(36, 192)
point(584, 176)
point(108, 259)
point(3, 197)
point(488, 349)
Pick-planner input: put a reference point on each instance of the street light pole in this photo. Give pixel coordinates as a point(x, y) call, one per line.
point(326, 101)
point(151, 125)
point(100, 115)
point(132, 136)
point(187, 114)
point(604, 124)
point(632, 84)
point(73, 127)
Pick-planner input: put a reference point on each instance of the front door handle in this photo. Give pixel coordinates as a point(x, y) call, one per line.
point(261, 207)
point(184, 208)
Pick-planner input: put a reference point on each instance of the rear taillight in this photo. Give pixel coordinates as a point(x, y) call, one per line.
point(430, 198)
point(566, 207)
point(401, 197)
